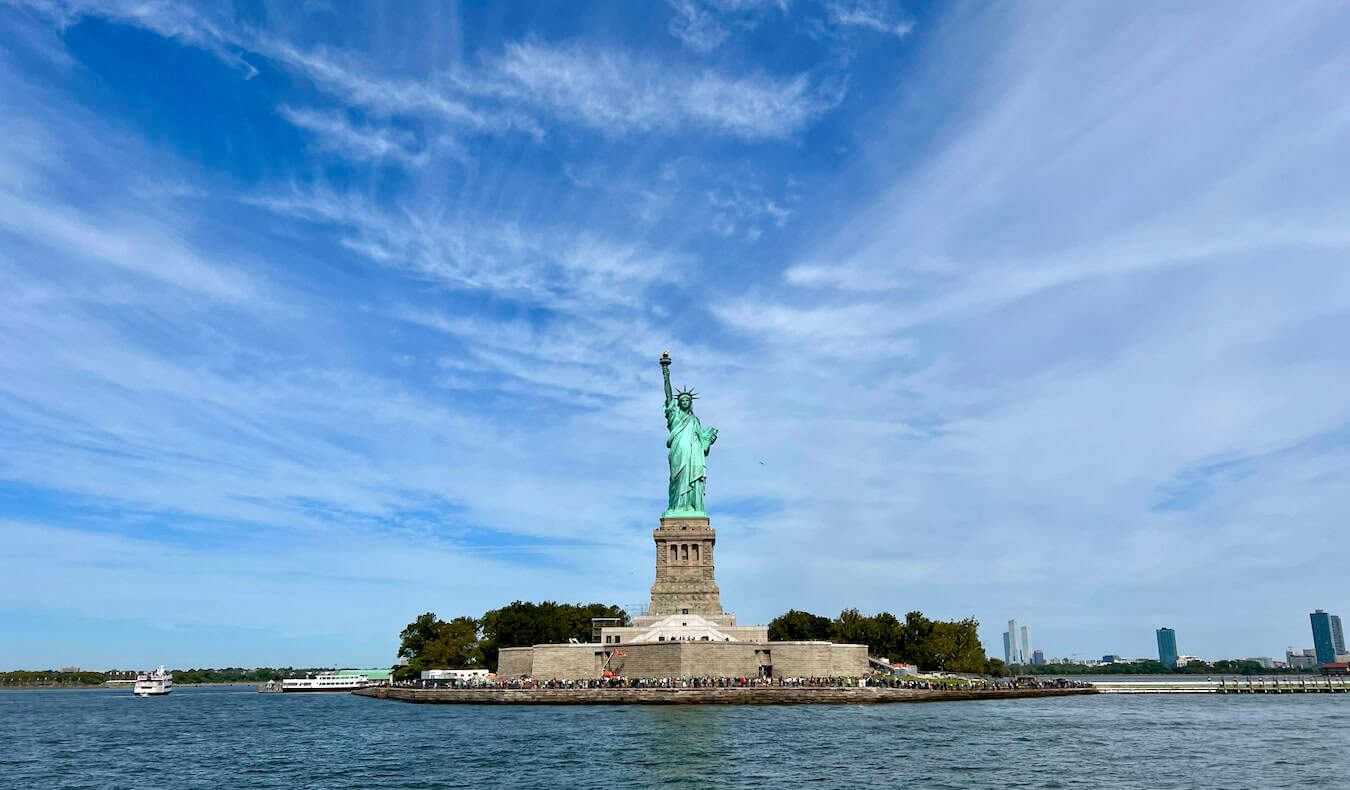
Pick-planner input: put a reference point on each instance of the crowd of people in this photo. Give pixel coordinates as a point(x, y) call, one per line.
point(975, 684)
point(708, 681)
point(1028, 683)
point(703, 681)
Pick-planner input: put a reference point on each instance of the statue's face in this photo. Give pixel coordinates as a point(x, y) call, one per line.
point(686, 402)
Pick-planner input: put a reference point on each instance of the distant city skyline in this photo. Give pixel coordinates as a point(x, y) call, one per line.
point(1165, 648)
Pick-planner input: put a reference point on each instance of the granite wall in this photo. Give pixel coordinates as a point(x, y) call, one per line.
point(514, 662)
point(567, 662)
point(685, 659)
point(818, 659)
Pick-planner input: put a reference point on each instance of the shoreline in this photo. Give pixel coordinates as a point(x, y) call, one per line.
point(106, 687)
point(761, 695)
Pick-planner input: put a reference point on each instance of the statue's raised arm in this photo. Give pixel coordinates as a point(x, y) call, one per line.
point(665, 373)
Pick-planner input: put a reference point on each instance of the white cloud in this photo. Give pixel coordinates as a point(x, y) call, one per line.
point(147, 244)
point(617, 93)
point(555, 267)
point(335, 131)
point(868, 14)
point(359, 85)
point(738, 209)
point(610, 90)
point(696, 26)
point(702, 25)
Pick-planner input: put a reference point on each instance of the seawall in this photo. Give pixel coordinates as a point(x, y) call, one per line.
point(760, 695)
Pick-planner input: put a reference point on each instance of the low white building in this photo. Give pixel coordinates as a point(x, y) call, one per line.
point(454, 674)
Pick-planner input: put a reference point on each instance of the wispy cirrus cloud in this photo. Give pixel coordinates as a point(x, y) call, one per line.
point(703, 25)
point(617, 92)
point(338, 133)
point(358, 84)
point(152, 245)
point(696, 25)
point(554, 267)
point(606, 89)
point(871, 15)
point(611, 91)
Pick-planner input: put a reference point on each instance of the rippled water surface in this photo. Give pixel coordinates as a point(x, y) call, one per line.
point(234, 737)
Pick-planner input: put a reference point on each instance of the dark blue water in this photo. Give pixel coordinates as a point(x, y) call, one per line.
point(234, 737)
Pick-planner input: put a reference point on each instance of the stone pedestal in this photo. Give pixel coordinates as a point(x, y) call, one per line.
point(684, 568)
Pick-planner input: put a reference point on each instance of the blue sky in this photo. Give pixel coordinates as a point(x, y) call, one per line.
point(316, 316)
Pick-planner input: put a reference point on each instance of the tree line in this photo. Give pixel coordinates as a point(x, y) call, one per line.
point(242, 675)
point(467, 642)
point(946, 645)
point(51, 677)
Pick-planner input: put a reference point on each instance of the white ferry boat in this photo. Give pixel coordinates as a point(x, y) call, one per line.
point(326, 681)
point(153, 684)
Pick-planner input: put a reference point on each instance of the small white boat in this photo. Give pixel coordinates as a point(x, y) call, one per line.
point(153, 684)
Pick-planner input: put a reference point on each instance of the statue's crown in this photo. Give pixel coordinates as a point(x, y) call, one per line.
point(692, 395)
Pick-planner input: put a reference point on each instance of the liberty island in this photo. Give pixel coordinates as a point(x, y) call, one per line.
point(686, 648)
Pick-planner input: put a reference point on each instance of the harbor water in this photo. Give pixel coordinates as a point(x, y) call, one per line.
point(234, 737)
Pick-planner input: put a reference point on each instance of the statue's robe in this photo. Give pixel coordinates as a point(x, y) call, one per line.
point(688, 442)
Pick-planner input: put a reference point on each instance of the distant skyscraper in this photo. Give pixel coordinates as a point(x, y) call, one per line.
point(1037, 657)
point(1026, 645)
point(1328, 638)
point(1167, 647)
point(1014, 650)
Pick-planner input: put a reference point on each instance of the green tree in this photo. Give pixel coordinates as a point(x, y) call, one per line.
point(931, 644)
point(851, 627)
point(885, 636)
point(913, 643)
point(995, 667)
point(431, 643)
point(955, 646)
point(799, 626)
point(414, 638)
point(523, 623)
point(456, 646)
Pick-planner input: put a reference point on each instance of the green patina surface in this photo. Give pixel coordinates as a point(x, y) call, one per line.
point(688, 442)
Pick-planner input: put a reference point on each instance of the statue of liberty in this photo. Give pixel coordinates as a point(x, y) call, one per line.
point(689, 443)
